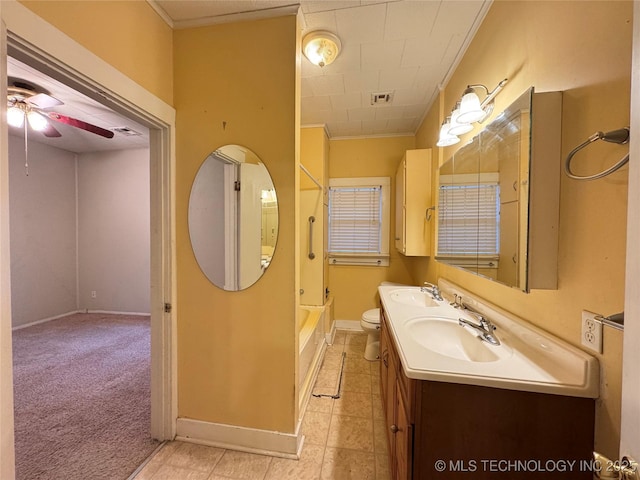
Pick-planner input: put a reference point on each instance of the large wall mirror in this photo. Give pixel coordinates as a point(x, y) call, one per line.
point(484, 198)
point(233, 218)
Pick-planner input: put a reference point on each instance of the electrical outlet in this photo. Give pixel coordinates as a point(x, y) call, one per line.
point(592, 331)
point(94, 294)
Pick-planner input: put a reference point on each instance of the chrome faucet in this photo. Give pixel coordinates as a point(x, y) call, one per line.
point(431, 289)
point(485, 328)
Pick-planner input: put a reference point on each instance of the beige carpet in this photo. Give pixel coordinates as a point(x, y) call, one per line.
point(82, 397)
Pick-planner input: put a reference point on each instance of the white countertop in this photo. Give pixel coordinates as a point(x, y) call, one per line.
point(528, 359)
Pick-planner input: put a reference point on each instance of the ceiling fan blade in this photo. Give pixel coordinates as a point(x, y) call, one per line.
point(42, 100)
point(50, 131)
point(74, 122)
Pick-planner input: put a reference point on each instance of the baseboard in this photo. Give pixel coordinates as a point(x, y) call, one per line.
point(113, 312)
point(351, 325)
point(232, 437)
point(44, 320)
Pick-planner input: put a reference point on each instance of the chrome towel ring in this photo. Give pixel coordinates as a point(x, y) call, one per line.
point(620, 136)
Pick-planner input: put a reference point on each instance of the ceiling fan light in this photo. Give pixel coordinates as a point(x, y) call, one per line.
point(37, 121)
point(15, 116)
point(321, 47)
point(470, 109)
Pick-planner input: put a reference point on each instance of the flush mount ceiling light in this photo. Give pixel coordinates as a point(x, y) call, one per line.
point(321, 47)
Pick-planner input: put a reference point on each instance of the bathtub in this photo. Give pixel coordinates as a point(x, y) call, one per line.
point(311, 341)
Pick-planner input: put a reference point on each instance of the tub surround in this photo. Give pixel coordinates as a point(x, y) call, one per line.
point(311, 346)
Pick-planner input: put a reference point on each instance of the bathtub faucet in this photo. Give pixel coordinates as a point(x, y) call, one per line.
point(432, 289)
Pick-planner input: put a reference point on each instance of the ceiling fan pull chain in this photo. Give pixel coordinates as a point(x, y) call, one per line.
point(26, 150)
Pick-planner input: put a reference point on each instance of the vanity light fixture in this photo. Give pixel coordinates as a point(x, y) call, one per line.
point(456, 127)
point(468, 110)
point(321, 47)
point(446, 137)
point(471, 109)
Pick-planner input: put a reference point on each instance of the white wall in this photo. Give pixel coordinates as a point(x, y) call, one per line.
point(59, 255)
point(43, 232)
point(113, 230)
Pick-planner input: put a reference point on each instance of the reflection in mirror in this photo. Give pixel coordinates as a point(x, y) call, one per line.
point(484, 201)
point(233, 218)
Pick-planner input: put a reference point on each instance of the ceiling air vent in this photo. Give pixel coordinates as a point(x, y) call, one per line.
point(381, 98)
point(126, 131)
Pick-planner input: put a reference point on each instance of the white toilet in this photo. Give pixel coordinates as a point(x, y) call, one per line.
point(370, 323)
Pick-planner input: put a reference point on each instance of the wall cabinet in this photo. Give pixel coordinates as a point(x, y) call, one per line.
point(478, 432)
point(413, 199)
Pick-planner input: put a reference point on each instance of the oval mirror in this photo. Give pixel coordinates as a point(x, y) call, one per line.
point(233, 218)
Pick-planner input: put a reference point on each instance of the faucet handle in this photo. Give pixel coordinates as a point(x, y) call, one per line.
point(480, 318)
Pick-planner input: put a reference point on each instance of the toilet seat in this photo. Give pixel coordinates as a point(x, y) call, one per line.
point(372, 316)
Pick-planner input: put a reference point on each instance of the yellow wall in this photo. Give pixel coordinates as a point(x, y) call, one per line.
point(128, 35)
point(355, 288)
point(236, 84)
point(584, 50)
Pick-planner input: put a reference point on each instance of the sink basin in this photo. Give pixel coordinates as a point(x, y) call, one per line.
point(446, 337)
point(413, 297)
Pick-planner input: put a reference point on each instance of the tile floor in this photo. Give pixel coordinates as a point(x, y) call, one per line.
point(344, 438)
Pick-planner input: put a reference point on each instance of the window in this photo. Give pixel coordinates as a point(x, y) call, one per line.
point(359, 221)
point(469, 221)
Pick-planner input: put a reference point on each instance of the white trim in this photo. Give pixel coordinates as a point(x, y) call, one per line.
point(115, 312)
point(233, 437)
point(7, 456)
point(160, 11)
point(349, 325)
point(73, 312)
point(33, 40)
point(44, 320)
point(379, 135)
point(237, 17)
point(324, 126)
point(330, 336)
point(630, 418)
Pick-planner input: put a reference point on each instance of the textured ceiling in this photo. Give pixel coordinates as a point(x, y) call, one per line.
point(405, 47)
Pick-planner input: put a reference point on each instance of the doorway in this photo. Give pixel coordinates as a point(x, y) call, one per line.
point(30, 40)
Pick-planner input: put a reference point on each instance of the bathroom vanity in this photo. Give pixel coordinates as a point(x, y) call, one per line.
point(448, 423)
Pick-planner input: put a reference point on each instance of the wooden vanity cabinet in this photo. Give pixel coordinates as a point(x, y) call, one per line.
point(472, 428)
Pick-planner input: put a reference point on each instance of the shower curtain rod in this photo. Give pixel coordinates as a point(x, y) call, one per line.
point(304, 169)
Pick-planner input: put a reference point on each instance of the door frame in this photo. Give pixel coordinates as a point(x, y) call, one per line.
point(630, 418)
point(32, 40)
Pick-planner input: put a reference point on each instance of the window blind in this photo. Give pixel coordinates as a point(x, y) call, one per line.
point(355, 219)
point(469, 220)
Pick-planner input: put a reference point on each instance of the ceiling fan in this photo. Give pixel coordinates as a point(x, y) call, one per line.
point(27, 101)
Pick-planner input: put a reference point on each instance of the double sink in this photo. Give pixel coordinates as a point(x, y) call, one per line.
point(434, 344)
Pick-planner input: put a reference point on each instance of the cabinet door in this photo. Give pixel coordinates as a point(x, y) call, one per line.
point(413, 202)
point(401, 217)
point(388, 385)
point(384, 363)
point(403, 439)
